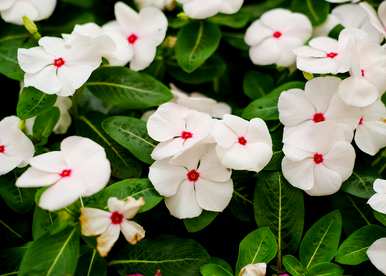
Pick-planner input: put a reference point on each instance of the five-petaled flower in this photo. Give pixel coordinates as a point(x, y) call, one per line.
point(107, 225)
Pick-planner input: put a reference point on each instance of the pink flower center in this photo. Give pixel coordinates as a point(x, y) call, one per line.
point(318, 158)
point(59, 62)
point(186, 135)
point(132, 38)
point(116, 218)
point(277, 34)
point(2, 148)
point(362, 72)
point(361, 120)
point(193, 175)
point(65, 173)
point(318, 117)
point(331, 55)
point(242, 141)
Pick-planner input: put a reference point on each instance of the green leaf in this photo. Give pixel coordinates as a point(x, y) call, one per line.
point(236, 21)
point(119, 87)
point(380, 217)
point(33, 102)
point(212, 69)
point(293, 265)
point(266, 107)
point(45, 124)
point(10, 259)
point(172, 256)
point(258, 246)
point(360, 183)
point(353, 250)
point(320, 243)
point(19, 200)
point(279, 206)
point(316, 10)
point(236, 40)
point(123, 164)
point(52, 255)
point(91, 264)
point(196, 42)
point(200, 222)
point(214, 270)
point(256, 10)
point(130, 187)
point(325, 269)
point(131, 133)
point(83, 3)
point(41, 222)
point(257, 85)
point(9, 45)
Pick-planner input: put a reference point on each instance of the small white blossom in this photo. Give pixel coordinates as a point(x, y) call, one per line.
point(80, 168)
point(274, 36)
point(16, 149)
point(259, 269)
point(377, 254)
point(12, 11)
point(108, 224)
point(201, 9)
point(242, 144)
point(192, 182)
point(378, 200)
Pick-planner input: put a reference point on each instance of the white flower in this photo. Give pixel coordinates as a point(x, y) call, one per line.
point(322, 56)
point(137, 35)
point(12, 11)
point(64, 104)
point(259, 269)
point(378, 200)
point(177, 129)
point(367, 80)
point(318, 103)
point(377, 20)
point(243, 145)
point(377, 254)
point(318, 159)
point(349, 16)
point(370, 134)
point(80, 168)
point(275, 35)
point(201, 9)
point(194, 181)
point(200, 103)
point(15, 148)
point(55, 67)
point(161, 4)
point(108, 224)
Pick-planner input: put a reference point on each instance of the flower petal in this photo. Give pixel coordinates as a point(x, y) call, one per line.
point(106, 241)
point(294, 107)
point(211, 168)
point(144, 54)
point(45, 80)
point(256, 33)
point(358, 92)
point(341, 159)
point(380, 186)
point(327, 182)
point(52, 162)
point(213, 196)
point(266, 53)
point(299, 174)
point(378, 203)
point(377, 254)
point(35, 178)
point(132, 231)
point(33, 60)
point(320, 91)
point(93, 221)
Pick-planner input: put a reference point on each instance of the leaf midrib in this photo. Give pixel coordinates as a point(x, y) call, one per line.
point(153, 261)
point(197, 42)
point(135, 136)
point(101, 83)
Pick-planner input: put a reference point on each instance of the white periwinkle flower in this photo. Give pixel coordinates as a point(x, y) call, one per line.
point(177, 129)
point(55, 67)
point(377, 20)
point(242, 144)
point(370, 133)
point(192, 182)
point(377, 254)
point(201, 9)
point(378, 200)
point(318, 159)
point(318, 103)
point(15, 148)
point(12, 11)
point(322, 56)
point(274, 36)
point(259, 269)
point(108, 224)
point(80, 168)
point(137, 34)
point(161, 4)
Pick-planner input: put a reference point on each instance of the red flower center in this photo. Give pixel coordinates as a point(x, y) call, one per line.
point(59, 62)
point(65, 173)
point(318, 117)
point(242, 141)
point(116, 217)
point(193, 175)
point(2, 148)
point(132, 38)
point(331, 55)
point(361, 120)
point(186, 135)
point(277, 34)
point(362, 72)
point(318, 158)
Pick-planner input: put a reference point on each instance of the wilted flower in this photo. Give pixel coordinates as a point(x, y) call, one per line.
point(258, 269)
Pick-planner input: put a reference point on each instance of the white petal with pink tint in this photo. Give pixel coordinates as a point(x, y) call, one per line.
point(378, 200)
point(94, 221)
point(377, 254)
point(214, 196)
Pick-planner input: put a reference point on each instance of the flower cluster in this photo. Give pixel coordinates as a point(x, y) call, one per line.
point(196, 154)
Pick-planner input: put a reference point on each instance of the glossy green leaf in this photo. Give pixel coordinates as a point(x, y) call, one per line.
point(257, 85)
point(45, 123)
point(293, 265)
point(33, 102)
point(316, 10)
point(360, 183)
point(380, 217)
point(19, 200)
point(91, 264)
point(236, 21)
point(200, 222)
point(214, 270)
point(325, 269)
